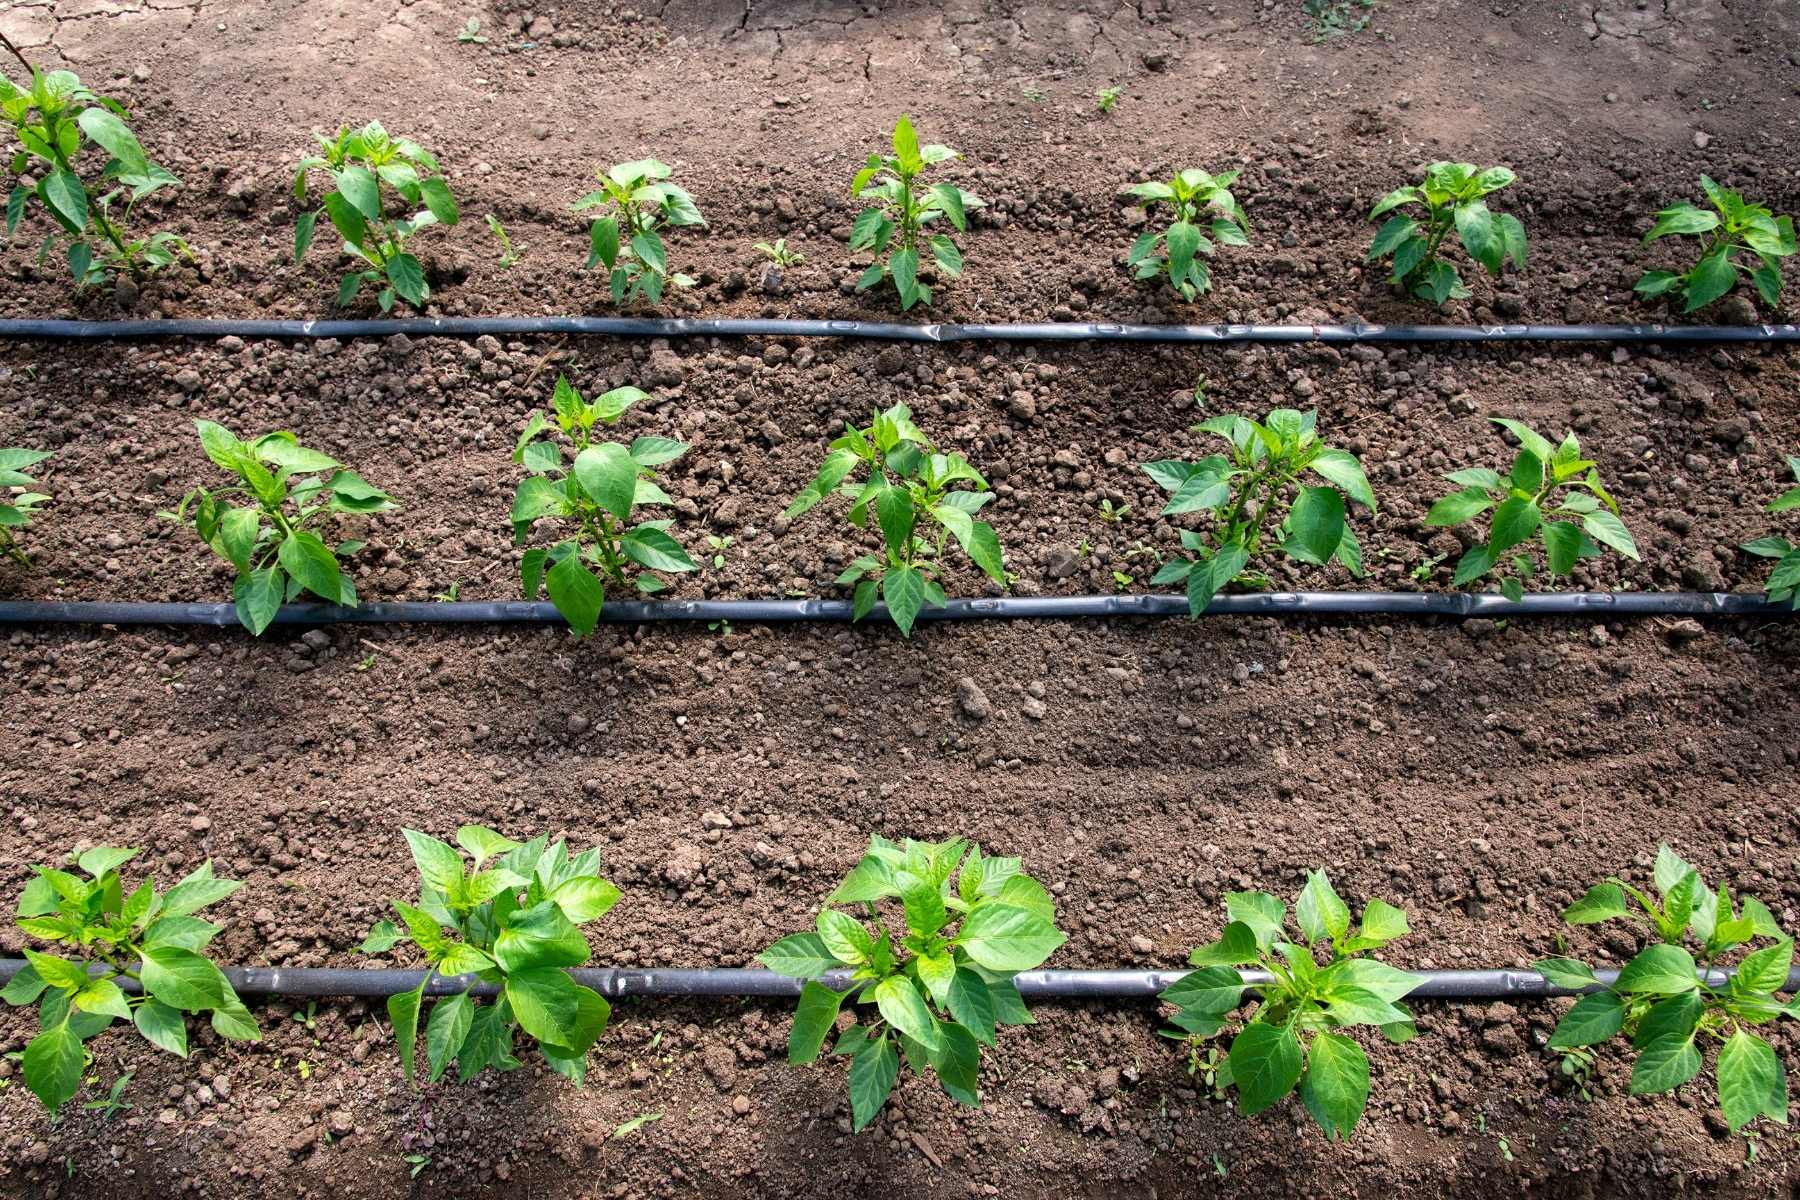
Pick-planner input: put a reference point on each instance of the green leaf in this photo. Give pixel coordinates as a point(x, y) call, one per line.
point(108, 130)
point(1752, 1081)
point(872, 1074)
point(1658, 971)
point(438, 863)
point(1603, 902)
point(584, 898)
point(540, 936)
point(57, 971)
point(1238, 944)
point(1710, 279)
point(258, 597)
point(1335, 1088)
point(162, 1026)
point(103, 998)
point(182, 979)
point(436, 194)
point(53, 1063)
point(1316, 525)
point(902, 1007)
point(447, 1030)
point(1319, 910)
point(310, 561)
point(1458, 507)
point(1665, 1064)
point(1607, 529)
point(1342, 468)
point(1566, 972)
point(1533, 442)
point(577, 594)
point(1514, 521)
point(1265, 1065)
point(814, 1019)
point(971, 1002)
point(1388, 238)
point(24, 987)
point(655, 550)
point(958, 1063)
point(1475, 226)
point(799, 956)
point(356, 185)
point(608, 474)
point(1563, 542)
point(1001, 937)
point(904, 590)
point(66, 199)
point(1382, 923)
point(1209, 990)
point(1766, 970)
point(1594, 1018)
point(1263, 913)
point(547, 1004)
point(403, 1013)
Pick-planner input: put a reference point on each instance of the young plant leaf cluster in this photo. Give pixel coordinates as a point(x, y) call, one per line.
point(360, 162)
point(273, 540)
point(1246, 489)
point(16, 510)
point(1451, 198)
point(1784, 581)
point(627, 240)
point(104, 934)
point(1552, 492)
point(1663, 1006)
point(1293, 1040)
point(940, 988)
point(54, 121)
point(1199, 204)
point(906, 484)
point(1734, 236)
point(898, 227)
point(512, 919)
point(599, 489)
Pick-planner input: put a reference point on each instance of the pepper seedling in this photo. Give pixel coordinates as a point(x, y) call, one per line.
point(55, 120)
point(1198, 201)
point(147, 938)
point(940, 988)
point(1661, 1003)
point(273, 541)
point(359, 162)
point(1451, 196)
point(1246, 489)
point(898, 228)
point(1784, 580)
point(16, 510)
point(512, 922)
point(628, 239)
point(599, 489)
point(1540, 486)
point(908, 489)
point(1292, 1040)
point(1734, 236)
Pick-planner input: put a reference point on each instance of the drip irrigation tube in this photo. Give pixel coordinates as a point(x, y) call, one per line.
point(616, 982)
point(658, 327)
point(1597, 605)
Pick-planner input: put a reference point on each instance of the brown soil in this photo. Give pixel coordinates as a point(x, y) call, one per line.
point(1478, 775)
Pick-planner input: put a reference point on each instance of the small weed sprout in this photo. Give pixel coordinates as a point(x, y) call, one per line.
point(1662, 1005)
point(907, 490)
point(1327, 19)
point(639, 203)
point(1107, 98)
point(897, 229)
point(1734, 236)
point(509, 256)
point(779, 254)
point(940, 988)
point(55, 120)
point(1784, 581)
point(470, 34)
point(1537, 497)
point(359, 163)
point(1197, 201)
point(600, 489)
point(1292, 1040)
point(1452, 198)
